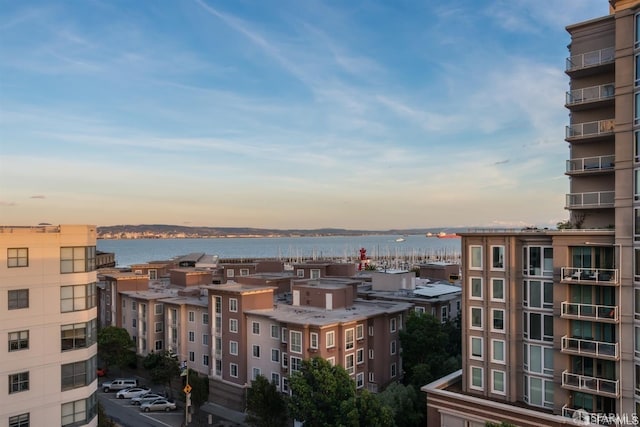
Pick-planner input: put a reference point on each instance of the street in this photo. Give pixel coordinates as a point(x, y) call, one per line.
point(128, 415)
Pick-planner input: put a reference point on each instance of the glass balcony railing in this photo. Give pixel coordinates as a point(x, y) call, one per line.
point(590, 94)
point(595, 199)
point(590, 129)
point(591, 164)
point(591, 59)
point(607, 313)
point(585, 347)
point(596, 276)
point(601, 386)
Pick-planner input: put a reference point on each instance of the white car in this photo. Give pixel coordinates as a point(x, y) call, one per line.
point(145, 398)
point(158, 405)
point(132, 392)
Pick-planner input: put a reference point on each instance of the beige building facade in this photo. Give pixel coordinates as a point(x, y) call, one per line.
point(48, 320)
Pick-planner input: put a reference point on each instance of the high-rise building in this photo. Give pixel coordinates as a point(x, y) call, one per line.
point(551, 318)
point(48, 323)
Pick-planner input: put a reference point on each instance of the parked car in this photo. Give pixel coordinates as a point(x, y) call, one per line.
point(158, 405)
point(119, 384)
point(145, 398)
point(129, 393)
point(101, 372)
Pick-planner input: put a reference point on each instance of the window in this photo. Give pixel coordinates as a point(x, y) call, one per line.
point(275, 379)
point(231, 272)
point(349, 364)
point(360, 380)
point(158, 345)
point(79, 412)
point(275, 332)
point(444, 313)
point(371, 353)
point(497, 351)
point(233, 305)
point(205, 339)
point(498, 320)
point(134, 306)
point(296, 363)
point(255, 372)
point(538, 294)
point(392, 325)
point(134, 323)
point(539, 326)
point(158, 309)
point(275, 355)
point(539, 392)
point(158, 327)
point(313, 338)
point(476, 378)
point(18, 298)
point(497, 257)
point(497, 289)
point(359, 332)
point(475, 255)
point(256, 351)
point(419, 310)
point(372, 377)
point(332, 361)
point(394, 370)
point(360, 356)
point(300, 272)
point(285, 385)
point(21, 420)
point(255, 328)
point(233, 370)
point(330, 338)
point(192, 356)
point(233, 325)
point(392, 346)
point(192, 316)
point(244, 271)
point(497, 382)
point(205, 318)
point(283, 335)
point(315, 273)
point(370, 331)
point(233, 348)
point(77, 297)
point(476, 348)
point(78, 335)
point(218, 305)
point(349, 342)
point(296, 342)
point(18, 382)
point(476, 288)
point(476, 318)
point(537, 261)
point(285, 360)
point(77, 259)
point(18, 340)
point(78, 374)
point(538, 359)
point(192, 336)
point(17, 257)
point(205, 359)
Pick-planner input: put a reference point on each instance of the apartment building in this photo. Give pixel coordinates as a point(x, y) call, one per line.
point(551, 318)
point(48, 320)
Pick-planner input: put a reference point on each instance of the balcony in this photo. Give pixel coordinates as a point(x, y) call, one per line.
point(599, 386)
point(603, 313)
point(595, 199)
point(589, 62)
point(583, 418)
point(584, 347)
point(590, 165)
point(590, 130)
point(590, 276)
point(588, 97)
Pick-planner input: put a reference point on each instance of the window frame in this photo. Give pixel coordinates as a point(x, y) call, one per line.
point(475, 257)
point(233, 326)
point(476, 339)
point(82, 259)
point(313, 340)
point(493, 382)
point(18, 341)
point(498, 265)
point(20, 420)
point(17, 299)
point(472, 378)
point(495, 280)
point(233, 348)
point(471, 325)
point(493, 351)
point(295, 342)
point(330, 342)
point(233, 305)
point(18, 382)
point(503, 329)
point(17, 257)
point(475, 283)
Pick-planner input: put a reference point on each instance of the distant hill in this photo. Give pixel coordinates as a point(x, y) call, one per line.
point(167, 231)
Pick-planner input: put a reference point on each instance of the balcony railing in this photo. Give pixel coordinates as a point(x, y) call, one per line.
point(606, 313)
point(595, 199)
point(591, 59)
point(590, 129)
point(601, 386)
point(590, 94)
point(591, 164)
point(599, 349)
point(595, 276)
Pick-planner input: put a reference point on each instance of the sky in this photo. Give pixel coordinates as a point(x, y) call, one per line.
point(285, 113)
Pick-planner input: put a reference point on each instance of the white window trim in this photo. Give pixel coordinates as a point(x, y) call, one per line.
point(471, 296)
point(231, 370)
point(504, 382)
point(504, 251)
point(313, 336)
point(471, 267)
point(471, 355)
point(493, 298)
point(474, 387)
point(477, 328)
point(231, 346)
point(504, 321)
point(327, 339)
point(231, 309)
point(504, 352)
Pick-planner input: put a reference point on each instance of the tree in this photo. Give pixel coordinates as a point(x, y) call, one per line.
point(199, 388)
point(322, 395)
point(115, 346)
point(406, 404)
point(162, 367)
point(266, 406)
point(371, 411)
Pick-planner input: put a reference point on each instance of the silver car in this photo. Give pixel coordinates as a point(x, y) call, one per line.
point(145, 398)
point(158, 405)
point(129, 393)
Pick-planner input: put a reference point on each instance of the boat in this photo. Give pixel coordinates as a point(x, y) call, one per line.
point(400, 239)
point(443, 235)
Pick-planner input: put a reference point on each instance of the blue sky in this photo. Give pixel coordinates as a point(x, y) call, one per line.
point(285, 114)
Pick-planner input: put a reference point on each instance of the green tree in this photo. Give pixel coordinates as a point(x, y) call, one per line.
point(322, 395)
point(162, 367)
point(199, 388)
point(266, 406)
point(371, 411)
point(115, 346)
point(406, 404)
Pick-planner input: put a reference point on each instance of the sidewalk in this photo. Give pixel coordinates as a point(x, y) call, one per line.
point(230, 417)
